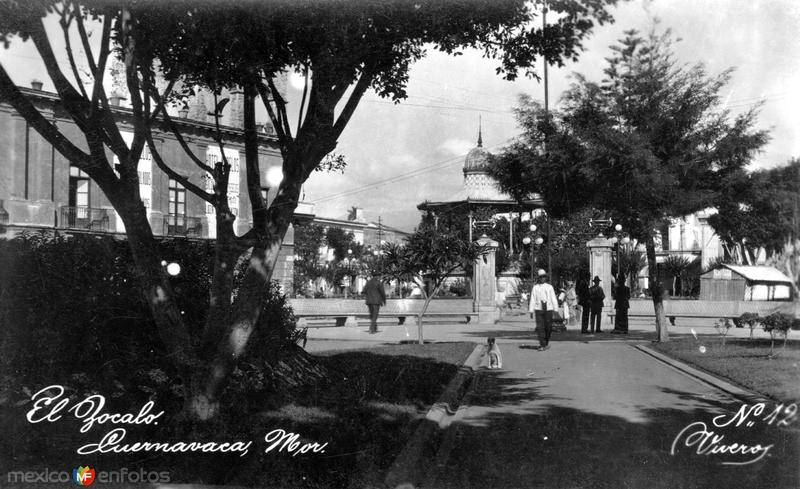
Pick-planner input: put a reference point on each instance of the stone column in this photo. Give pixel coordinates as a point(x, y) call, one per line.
point(485, 284)
point(600, 264)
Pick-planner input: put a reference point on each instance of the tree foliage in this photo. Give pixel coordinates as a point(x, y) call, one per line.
point(344, 47)
point(649, 142)
point(427, 258)
point(308, 239)
point(760, 209)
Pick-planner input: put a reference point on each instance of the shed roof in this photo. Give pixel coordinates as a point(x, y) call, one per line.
point(759, 273)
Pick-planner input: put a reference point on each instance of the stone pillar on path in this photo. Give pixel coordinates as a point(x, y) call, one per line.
point(600, 265)
point(485, 284)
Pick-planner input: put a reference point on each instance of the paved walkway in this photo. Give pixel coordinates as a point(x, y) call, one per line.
point(591, 412)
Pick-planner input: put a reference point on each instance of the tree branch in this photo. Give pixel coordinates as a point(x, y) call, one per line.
point(11, 94)
point(75, 104)
point(257, 203)
point(284, 138)
point(161, 101)
point(358, 92)
point(114, 138)
point(66, 20)
point(87, 48)
point(302, 100)
point(280, 104)
point(210, 198)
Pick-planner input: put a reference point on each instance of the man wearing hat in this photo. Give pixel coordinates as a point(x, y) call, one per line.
point(541, 306)
point(596, 297)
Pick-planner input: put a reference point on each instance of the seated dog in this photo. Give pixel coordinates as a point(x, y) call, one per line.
point(495, 357)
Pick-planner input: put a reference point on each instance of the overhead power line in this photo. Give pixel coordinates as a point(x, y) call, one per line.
point(405, 176)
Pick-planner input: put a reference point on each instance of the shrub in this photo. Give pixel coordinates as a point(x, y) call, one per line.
point(723, 326)
point(749, 319)
point(777, 323)
point(71, 312)
point(458, 288)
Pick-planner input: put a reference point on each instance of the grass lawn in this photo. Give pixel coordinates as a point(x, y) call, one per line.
point(745, 362)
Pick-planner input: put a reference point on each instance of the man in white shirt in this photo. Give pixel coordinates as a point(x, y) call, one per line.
point(541, 306)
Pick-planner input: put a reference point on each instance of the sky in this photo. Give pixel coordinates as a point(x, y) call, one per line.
point(401, 155)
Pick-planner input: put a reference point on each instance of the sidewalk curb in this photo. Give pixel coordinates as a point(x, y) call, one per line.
point(411, 465)
point(740, 393)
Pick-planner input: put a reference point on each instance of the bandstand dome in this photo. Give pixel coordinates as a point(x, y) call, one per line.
point(477, 160)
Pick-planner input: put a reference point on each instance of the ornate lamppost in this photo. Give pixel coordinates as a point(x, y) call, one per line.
point(618, 239)
point(533, 243)
point(349, 262)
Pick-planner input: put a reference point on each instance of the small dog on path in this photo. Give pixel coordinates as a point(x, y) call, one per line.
point(495, 357)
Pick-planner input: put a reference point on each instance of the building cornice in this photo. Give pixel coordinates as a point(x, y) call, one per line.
point(126, 115)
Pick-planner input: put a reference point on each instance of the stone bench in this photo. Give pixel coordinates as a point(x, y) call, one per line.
point(345, 311)
point(674, 309)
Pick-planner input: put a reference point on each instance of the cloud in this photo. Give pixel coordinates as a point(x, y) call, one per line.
point(456, 147)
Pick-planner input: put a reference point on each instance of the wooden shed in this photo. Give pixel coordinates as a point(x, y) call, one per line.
point(745, 283)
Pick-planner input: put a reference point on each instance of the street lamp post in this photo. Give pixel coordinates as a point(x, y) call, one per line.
point(618, 240)
point(348, 261)
point(533, 242)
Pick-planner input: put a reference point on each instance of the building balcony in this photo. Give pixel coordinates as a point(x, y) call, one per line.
point(86, 218)
point(183, 226)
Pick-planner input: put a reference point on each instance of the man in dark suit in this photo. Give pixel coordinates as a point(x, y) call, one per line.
point(596, 296)
point(621, 304)
point(375, 297)
point(582, 289)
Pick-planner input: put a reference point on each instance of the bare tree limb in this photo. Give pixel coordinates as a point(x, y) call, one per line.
point(115, 141)
point(87, 48)
point(302, 100)
point(195, 189)
point(66, 20)
point(161, 101)
point(280, 105)
point(350, 106)
point(257, 203)
point(132, 77)
point(12, 95)
point(284, 138)
point(75, 104)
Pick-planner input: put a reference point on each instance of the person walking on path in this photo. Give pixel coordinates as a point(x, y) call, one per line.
point(582, 291)
point(621, 304)
point(541, 306)
point(596, 297)
point(375, 298)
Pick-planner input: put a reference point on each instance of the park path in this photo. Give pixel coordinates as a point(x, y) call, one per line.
point(592, 414)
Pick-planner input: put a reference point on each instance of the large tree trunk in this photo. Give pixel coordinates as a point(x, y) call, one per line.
point(220, 296)
point(155, 285)
point(210, 381)
point(656, 290)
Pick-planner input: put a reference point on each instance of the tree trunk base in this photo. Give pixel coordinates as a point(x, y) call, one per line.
point(296, 370)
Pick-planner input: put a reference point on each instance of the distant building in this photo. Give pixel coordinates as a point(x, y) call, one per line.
point(42, 190)
point(372, 235)
point(745, 283)
point(692, 237)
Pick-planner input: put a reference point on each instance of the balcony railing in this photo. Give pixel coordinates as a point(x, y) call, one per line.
point(183, 226)
point(88, 218)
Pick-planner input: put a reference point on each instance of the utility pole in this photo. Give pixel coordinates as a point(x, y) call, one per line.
point(547, 122)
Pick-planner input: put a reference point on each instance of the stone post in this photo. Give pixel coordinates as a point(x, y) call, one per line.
point(600, 265)
point(485, 284)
